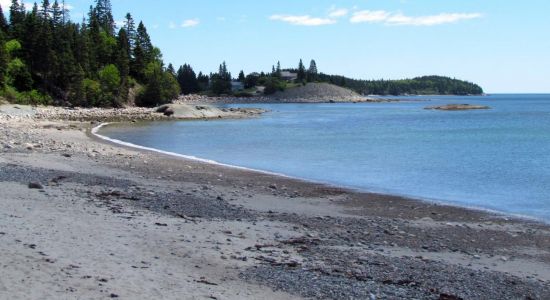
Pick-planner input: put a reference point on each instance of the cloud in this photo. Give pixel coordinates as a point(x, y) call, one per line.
point(399, 19)
point(190, 23)
point(338, 12)
point(302, 20)
point(370, 16)
point(445, 18)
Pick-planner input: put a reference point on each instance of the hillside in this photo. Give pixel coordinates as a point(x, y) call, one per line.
point(316, 92)
point(425, 85)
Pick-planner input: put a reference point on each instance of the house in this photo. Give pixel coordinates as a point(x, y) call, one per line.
point(236, 86)
point(289, 76)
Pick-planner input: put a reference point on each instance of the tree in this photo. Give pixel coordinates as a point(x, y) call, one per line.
point(44, 55)
point(130, 27)
point(3, 62)
point(204, 81)
point(221, 81)
point(4, 27)
point(105, 16)
point(301, 72)
point(109, 80)
point(312, 72)
point(241, 76)
point(187, 80)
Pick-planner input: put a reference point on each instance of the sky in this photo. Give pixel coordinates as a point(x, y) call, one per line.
point(503, 45)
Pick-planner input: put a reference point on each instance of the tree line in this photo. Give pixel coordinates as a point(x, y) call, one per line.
point(425, 85)
point(45, 58)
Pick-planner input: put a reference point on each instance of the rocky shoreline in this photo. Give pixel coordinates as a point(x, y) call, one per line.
point(103, 221)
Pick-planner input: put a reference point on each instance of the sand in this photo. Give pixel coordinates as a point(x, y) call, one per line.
point(116, 222)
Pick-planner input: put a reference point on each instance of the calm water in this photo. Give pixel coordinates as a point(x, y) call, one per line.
point(496, 159)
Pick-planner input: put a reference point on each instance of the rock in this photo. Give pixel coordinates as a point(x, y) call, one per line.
point(457, 107)
point(29, 146)
point(169, 112)
point(36, 186)
point(66, 155)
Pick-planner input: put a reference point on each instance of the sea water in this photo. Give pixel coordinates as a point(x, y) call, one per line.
point(496, 159)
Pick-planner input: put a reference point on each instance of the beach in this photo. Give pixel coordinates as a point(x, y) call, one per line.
point(85, 218)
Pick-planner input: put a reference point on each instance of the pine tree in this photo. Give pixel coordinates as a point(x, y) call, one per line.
point(3, 62)
point(130, 27)
point(105, 16)
point(144, 41)
point(312, 72)
point(170, 69)
point(187, 80)
point(4, 27)
point(301, 72)
point(17, 17)
point(242, 77)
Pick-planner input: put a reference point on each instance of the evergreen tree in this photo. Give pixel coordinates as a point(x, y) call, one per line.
point(187, 80)
point(4, 27)
point(204, 81)
point(3, 61)
point(105, 16)
point(242, 77)
point(17, 18)
point(170, 69)
point(312, 72)
point(130, 27)
point(301, 72)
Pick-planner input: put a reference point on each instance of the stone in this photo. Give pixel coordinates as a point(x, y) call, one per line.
point(36, 186)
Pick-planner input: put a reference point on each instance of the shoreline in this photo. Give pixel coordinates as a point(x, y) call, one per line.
point(110, 219)
point(495, 212)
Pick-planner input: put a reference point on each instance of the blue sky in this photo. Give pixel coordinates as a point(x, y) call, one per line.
point(502, 45)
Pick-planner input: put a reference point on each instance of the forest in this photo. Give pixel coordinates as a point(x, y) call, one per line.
point(45, 58)
point(425, 85)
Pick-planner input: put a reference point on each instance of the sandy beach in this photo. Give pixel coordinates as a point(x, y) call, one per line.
point(82, 218)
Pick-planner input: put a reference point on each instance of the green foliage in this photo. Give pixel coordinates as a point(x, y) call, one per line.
point(273, 84)
point(92, 92)
point(109, 81)
point(221, 81)
point(187, 80)
point(85, 64)
point(161, 88)
point(302, 76)
point(426, 85)
point(19, 76)
point(12, 47)
point(312, 72)
point(32, 97)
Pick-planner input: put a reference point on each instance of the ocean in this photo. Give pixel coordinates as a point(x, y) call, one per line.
point(497, 159)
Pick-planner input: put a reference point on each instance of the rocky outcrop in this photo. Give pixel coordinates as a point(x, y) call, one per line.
point(190, 111)
point(458, 107)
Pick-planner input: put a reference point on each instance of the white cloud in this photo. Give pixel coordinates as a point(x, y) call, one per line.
point(389, 18)
point(303, 20)
point(370, 16)
point(338, 12)
point(190, 23)
point(400, 19)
